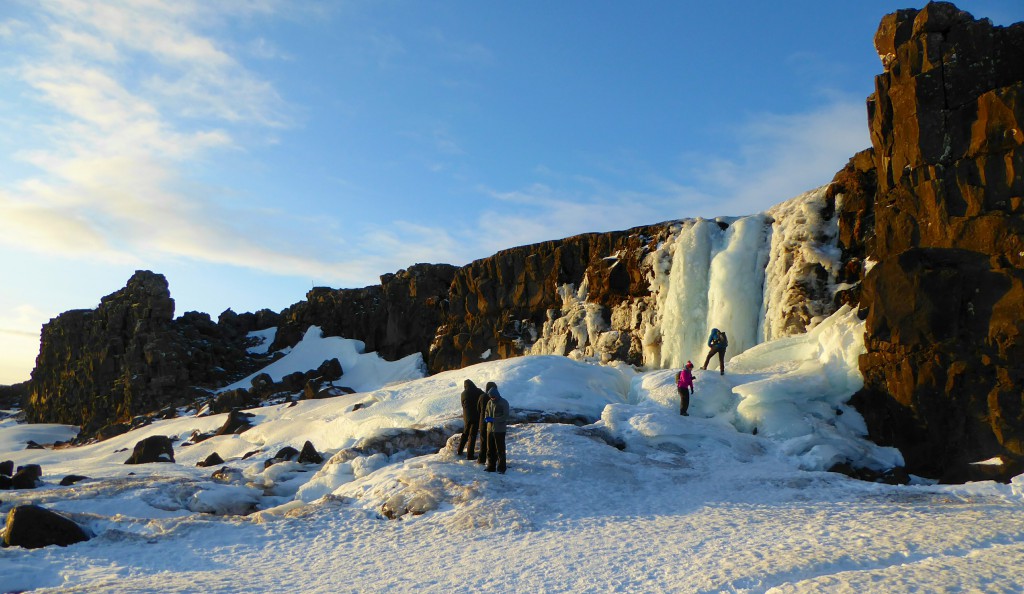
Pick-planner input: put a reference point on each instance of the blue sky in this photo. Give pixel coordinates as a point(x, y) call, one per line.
point(252, 149)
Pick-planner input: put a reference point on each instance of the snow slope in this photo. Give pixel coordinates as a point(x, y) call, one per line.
point(690, 504)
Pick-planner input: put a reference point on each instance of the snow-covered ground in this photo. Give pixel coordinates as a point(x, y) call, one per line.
point(691, 504)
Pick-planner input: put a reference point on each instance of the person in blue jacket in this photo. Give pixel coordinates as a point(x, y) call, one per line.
point(717, 342)
point(497, 424)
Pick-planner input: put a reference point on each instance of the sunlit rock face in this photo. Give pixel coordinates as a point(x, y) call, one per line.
point(945, 303)
point(499, 305)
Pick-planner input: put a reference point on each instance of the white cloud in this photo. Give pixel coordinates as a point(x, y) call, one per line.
point(112, 154)
point(780, 156)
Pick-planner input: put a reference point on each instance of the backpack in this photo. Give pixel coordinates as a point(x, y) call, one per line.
point(723, 340)
point(713, 338)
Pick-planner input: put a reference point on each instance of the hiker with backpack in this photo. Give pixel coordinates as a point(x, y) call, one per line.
point(717, 342)
point(684, 385)
point(497, 418)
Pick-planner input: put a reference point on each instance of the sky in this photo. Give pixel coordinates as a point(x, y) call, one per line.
point(252, 149)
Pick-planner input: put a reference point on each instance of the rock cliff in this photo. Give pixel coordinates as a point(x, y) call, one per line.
point(499, 305)
point(129, 356)
point(944, 228)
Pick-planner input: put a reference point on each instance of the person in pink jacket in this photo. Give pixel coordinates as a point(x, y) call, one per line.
point(684, 385)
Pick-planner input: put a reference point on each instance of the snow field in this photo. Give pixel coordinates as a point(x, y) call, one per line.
point(691, 504)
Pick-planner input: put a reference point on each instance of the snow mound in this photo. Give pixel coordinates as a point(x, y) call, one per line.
point(362, 371)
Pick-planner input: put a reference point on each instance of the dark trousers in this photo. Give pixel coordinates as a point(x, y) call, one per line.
point(721, 359)
point(684, 400)
point(496, 451)
point(469, 436)
point(484, 439)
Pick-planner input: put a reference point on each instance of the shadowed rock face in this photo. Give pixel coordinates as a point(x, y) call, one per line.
point(945, 304)
point(397, 318)
point(95, 366)
point(129, 356)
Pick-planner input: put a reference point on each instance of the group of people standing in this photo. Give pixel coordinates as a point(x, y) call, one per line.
point(484, 412)
point(717, 343)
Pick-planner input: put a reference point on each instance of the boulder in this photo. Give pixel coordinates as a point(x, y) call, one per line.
point(72, 479)
point(156, 448)
point(237, 422)
point(309, 455)
point(33, 527)
point(7, 468)
point(212, 460)
point(27, 477)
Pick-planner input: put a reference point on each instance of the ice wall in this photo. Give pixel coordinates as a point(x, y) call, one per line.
point(760, 277)
point(747, 276)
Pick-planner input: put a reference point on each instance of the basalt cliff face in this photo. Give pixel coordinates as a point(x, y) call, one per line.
point(499, 306)
point(936, 206)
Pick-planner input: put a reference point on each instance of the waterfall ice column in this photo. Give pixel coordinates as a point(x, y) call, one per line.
point(685, 310)
point(736, 289)
point(716, 281)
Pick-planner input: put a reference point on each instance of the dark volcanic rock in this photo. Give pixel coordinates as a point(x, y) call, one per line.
point(14, 395)
point(309, 455)
point(129, 357)
point(33, 527)
point(237, 422)
point(27, 477)
point(945, 303)
point(72, 479)
point(500, 304)
point(111, 363)
point(397, 318)
point(212, 460)
point(156, 448)
point(7, 468)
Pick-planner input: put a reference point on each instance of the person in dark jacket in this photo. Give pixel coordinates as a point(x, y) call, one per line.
point(497, 425)
point(481, 405)
point(470, 417)
point(717, 342)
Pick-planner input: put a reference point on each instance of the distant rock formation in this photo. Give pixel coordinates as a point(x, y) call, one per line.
point(944, 230)
point(397, 318)
point(129, 356)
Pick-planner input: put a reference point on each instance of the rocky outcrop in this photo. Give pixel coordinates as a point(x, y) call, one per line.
point(129, 356)
point(111, 363)
point(397, 318)
point(33, 527)
point(945, 302)
point(499, 305)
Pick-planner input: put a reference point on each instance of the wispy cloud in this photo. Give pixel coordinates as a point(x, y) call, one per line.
point(133, 95)
point(780, 156)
